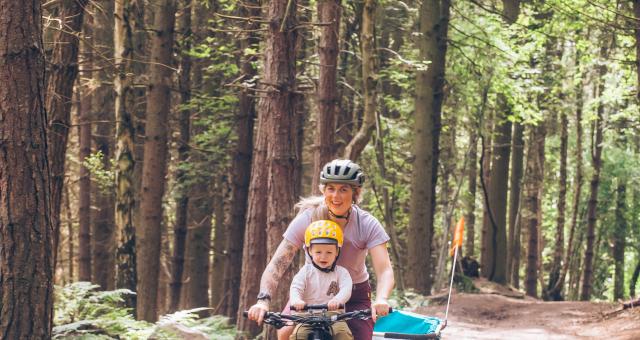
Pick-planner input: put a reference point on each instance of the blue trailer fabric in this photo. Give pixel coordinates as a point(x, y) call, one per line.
point(407, 323)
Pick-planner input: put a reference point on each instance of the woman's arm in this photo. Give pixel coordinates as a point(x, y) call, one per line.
point(384, 278)
point(271, 276)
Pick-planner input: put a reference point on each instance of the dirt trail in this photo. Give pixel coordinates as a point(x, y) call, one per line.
point(492, 316)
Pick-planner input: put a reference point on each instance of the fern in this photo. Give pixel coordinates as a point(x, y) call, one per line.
point(81, 311)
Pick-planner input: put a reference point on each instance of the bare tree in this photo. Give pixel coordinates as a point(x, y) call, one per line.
point(327, 92)
point(26, 216)
point(148, 233)
point(434, 23)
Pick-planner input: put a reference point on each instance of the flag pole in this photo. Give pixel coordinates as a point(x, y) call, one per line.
point(453, 270)
point(457, 243)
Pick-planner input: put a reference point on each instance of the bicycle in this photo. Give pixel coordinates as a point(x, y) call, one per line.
point(318, 320)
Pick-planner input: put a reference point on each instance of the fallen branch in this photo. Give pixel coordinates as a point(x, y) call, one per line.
point(631, 304)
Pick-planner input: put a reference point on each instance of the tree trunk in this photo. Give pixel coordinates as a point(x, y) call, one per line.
point(596, 156)
point(241, 163)
point(124, 105)
point(532, 189)
point(219, 261)
point(328, 12)
point(619, 235)
point(485, 181)
point(60, 81)
point(148, 241)
point(274, 159)
point(470, 198)
point(26, 216)
point(556, 266)
point(515, 181)
point(279, 108)
point(195, 290)
point(511, 10)
point(636, 13)
point(578, 181)
point(369, 83)
point(182, 199)
point(84, 186)
point(495, 241)
point(388, 208)
point(434, 23)
point(254, 250)
point(103, 228)
point(634, 280)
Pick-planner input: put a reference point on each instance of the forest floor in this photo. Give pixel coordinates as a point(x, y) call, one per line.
point(499, 313)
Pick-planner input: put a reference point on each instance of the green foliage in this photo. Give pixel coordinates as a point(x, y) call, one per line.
point(83, 312)
point(104, 177)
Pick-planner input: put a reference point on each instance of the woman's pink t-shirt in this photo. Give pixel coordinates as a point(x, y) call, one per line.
point(362, 232)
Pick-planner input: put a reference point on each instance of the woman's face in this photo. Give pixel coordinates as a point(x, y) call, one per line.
point(338, 197)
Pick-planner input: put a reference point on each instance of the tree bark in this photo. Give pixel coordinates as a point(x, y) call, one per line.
point(578, 181)
point(196, 272)
point(26, 216)
point(148, 241)
point(636, 31)
point(328, 47)
point(596, 157)
point(556, 266)
point(495, 241)
point(279, 107)
point(434, 23)
point(60, 81)
point(470, 199)
point(84, 185)
point(619, 235)
point(515, 182)
point(388, 209)
point(254, 250)
point(103, 228)
point(241, 163)
point(125, 191)
point(369, 83)
point(182, 199)
point(274, 160)
point(220, 256)
point(532, 189)
point(634, 280)
point(511, 10)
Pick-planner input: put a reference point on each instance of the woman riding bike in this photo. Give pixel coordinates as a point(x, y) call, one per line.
point(341, 187)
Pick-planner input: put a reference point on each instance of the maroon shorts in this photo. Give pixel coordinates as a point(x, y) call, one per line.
point(360, 299)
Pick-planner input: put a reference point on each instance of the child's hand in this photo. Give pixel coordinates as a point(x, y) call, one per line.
point(298, 305)
point(333, 304)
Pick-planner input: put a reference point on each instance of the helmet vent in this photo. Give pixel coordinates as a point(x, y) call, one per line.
point(337, 170)
point(328, 170)
point(346, 170)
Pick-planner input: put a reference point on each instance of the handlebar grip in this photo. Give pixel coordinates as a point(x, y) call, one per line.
point(318, 306)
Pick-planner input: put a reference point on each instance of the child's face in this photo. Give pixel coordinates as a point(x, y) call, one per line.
point(324, 254)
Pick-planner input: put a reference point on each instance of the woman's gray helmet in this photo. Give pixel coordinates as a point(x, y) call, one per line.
point(342, 171)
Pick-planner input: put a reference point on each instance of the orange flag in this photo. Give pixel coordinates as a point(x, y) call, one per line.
point(457, 236)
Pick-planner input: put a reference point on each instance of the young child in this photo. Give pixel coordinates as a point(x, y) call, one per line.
point(322, 281)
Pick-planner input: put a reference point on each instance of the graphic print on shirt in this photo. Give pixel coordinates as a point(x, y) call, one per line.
point(333, 289)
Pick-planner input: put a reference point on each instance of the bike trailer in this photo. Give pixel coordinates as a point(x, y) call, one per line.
point(407, 325)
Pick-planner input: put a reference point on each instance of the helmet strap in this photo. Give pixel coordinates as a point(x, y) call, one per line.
point(344, 217)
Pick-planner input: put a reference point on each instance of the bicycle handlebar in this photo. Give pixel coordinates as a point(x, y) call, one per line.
point(322, 306)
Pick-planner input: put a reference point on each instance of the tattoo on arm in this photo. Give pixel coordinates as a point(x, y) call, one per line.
point(277, 266)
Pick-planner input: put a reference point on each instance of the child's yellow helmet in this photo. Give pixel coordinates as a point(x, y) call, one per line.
point(323, 232)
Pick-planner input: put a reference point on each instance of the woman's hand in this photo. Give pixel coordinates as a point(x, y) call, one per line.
point(379, 308)
point(257, 311)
